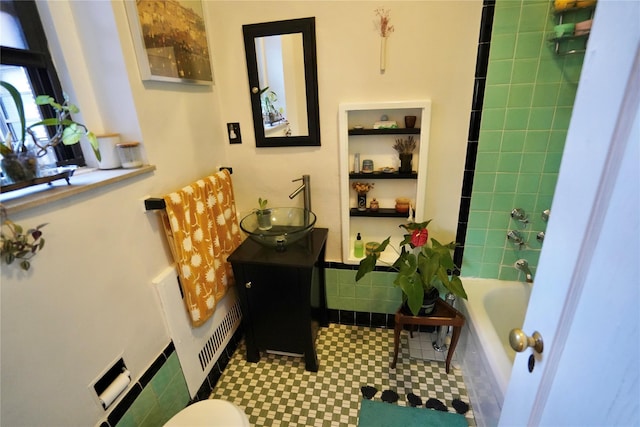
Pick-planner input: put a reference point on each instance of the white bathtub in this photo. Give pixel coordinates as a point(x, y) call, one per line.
point(493, 308)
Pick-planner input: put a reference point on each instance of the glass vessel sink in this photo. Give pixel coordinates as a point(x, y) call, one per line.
point(278, 227)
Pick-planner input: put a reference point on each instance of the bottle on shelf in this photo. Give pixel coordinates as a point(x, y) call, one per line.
point(358, 247)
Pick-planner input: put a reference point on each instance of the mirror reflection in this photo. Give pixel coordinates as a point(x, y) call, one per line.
point(282, 71)
point(281, 76)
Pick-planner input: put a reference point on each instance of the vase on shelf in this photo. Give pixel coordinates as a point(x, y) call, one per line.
point(410, 121)
point(405, 163)
point(362, 188)
point(362, 202)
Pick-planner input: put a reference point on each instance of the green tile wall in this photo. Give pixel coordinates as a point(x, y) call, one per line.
point(528, 101)
point(374, 293)
point(164, 396)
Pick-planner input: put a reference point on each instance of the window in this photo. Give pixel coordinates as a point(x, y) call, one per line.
point(27, 64)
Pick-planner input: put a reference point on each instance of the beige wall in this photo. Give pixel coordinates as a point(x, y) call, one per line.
point(431, 55)
point(88, 298)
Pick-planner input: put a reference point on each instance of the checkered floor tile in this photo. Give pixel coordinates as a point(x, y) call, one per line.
point(421, 347)
point(277, 391)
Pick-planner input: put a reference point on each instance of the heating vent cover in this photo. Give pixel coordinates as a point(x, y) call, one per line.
point(218, 340)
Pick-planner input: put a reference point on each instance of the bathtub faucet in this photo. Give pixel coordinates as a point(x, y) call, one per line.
point(523, 266)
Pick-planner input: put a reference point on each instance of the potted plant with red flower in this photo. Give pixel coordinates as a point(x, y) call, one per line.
point(423, 270)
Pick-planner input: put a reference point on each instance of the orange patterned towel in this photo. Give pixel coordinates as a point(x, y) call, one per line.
point(202, 228)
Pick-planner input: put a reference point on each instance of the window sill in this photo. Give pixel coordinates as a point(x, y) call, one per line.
point(84, 179)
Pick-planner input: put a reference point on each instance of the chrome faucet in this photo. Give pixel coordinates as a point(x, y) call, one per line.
point(306, 186)
point(523, 266)
point(517, 238)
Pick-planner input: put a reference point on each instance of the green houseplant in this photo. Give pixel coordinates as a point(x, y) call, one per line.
point(420, 273)
point(263, 214)
point(16, 244)
point(18, 162)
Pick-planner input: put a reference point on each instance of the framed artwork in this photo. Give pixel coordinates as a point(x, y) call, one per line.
point(170, 40)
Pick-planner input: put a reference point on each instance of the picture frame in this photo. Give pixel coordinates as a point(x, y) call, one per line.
point(170, 40)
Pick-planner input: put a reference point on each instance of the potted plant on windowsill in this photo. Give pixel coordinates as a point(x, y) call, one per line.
point(423, 270)
point(19, 159)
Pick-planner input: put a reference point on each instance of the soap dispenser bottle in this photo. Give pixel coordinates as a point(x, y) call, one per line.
point(358, 247)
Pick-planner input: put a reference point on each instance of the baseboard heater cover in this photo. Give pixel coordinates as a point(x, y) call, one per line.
point(198, 349)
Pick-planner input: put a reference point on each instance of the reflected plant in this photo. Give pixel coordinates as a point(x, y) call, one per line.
point(269, 111)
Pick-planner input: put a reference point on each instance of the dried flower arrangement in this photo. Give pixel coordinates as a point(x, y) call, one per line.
point(362, 187)
point(384, 29)
point(405, 146)
point(383, 25)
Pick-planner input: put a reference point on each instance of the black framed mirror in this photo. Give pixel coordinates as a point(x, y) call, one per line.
point(283, 82)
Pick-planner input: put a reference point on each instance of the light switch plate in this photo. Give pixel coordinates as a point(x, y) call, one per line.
point(233, 132)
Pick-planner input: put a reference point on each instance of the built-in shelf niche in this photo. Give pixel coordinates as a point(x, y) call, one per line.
point(377, 145)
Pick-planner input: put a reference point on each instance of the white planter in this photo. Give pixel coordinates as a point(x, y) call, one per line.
point(108, 152)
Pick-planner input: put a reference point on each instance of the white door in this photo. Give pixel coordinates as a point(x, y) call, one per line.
point(585, 297)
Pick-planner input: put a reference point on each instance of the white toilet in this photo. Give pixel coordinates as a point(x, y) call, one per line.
point(210, 413)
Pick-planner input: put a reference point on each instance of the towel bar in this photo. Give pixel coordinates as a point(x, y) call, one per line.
point(156, 203)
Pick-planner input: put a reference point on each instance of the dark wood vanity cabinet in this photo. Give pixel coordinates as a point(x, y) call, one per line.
point(282, 295)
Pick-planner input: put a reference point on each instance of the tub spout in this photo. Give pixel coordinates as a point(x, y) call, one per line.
point(523, 266)
point(306, 186)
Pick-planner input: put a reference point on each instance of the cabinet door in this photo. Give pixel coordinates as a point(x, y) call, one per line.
point(279, 307)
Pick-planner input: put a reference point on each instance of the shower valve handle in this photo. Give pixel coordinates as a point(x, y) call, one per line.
point(519, 341)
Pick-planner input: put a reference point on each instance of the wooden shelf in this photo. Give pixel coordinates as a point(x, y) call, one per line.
point(380, 213)
point(382, 175)
point(395, 131)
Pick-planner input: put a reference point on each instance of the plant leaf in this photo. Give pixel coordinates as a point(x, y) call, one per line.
point(456, 288)
point(428, 266)
point(46, 100)
point(94, 144)
point(17, 99)
point(71, 134)
point(367, 265)
point(412, 288)
point(382, 246)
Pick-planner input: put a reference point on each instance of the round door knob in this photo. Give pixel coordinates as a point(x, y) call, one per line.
point(519, 341)
point(247, 285)
point(255, 90)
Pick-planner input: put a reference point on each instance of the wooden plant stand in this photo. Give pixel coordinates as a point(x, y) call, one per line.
point(443, 315)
